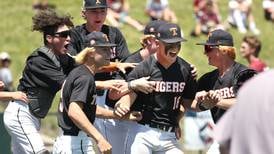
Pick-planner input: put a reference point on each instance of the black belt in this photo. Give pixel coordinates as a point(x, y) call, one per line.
point(161, 127)
point(70, 133)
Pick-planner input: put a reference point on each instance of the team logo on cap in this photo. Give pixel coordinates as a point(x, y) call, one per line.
point(173, 31)
point(98, 2)
point(92, 42)
point(151, 29)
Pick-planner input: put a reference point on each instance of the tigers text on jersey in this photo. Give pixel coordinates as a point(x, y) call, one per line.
point(225, 85)
point(172, 85)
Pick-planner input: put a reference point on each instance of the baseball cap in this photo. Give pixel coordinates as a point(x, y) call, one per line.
point(4, 55)
point(169, 33)
point(98, 39)
point(94, 4)
point(152, 26)
point(219, 37)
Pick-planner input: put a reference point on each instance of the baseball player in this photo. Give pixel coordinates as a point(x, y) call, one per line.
point(41, 79)
point(175, 88)
point(229, 75)
point(78, 108)
point(116, 130)
point(94, 12)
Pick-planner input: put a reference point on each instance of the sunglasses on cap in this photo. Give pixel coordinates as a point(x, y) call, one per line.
point(209, 48)
point(63, 34)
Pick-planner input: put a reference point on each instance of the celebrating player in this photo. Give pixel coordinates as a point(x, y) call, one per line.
point(175, 89)
point(78, 108)
point(42, 78)
point(227, 78)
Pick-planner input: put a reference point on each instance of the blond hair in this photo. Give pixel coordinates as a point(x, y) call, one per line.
point(228, 50)
point(81, 57)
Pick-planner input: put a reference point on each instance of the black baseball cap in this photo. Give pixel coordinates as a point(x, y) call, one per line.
point(152, 26)
point(219, 37)
point(98, 39)
point(94, 4)
point(169, 33)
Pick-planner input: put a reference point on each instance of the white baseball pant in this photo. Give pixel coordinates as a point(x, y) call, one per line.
point(66, 144)
point(23, 128)
point(146, 140)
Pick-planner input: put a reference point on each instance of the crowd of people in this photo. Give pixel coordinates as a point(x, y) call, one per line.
point(114, 101)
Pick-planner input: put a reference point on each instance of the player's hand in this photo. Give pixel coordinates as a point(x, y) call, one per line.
point(178, 132)
point(18, 95)
point(193, 71)
point(201, 95)
point(142, 85)
point(2, 85)
point(123, 66)
point(133, 116)
point(112, 84)
point(211, 99)
point(121, 109)
point(104, 146)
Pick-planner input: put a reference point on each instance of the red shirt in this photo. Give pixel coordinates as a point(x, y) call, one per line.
point(257, 65)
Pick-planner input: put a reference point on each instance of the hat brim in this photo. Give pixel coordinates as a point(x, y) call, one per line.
point(205, 43)
point(95, 7)
point(173, 40)
point(105, 45)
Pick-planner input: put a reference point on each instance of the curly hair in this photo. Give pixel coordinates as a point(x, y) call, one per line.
point(47, 22)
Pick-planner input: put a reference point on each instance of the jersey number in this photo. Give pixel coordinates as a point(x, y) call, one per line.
point(176, 103)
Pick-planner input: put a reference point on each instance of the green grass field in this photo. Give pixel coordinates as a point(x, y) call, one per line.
point(18, 39)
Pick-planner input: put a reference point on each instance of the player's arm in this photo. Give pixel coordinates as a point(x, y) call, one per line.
point(122, 107)
point(17, 95)
point(115, 66)
point(110, 84)
point(79, 118)
point(226, 103)
point(109, 114)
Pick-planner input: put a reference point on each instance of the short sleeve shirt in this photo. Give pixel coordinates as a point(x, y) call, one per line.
point(172, 84)
point(78, 87)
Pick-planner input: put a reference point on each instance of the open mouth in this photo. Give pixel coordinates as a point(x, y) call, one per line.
point(173, 54)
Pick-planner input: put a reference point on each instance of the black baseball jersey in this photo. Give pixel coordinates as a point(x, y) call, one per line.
point(78, 35)
point(172, 84)
point(226, 85)
point(133, 58)
point(42, 77)
point(78, 87)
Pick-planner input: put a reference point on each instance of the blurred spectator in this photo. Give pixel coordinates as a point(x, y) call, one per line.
point(207, 16)
point(268, 6)
point(250, 49)
point(5, 72)
point(41, 5)
point(248, 127)
point(159, 9)
point(118, 14)
point(241, 16)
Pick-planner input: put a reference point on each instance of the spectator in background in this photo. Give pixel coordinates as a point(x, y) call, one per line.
point(5, 72)
point(268, 6)
point(248, 126)
point(250, 49)
point(241, 16)
point(159, 9)
point(207, 16)
point(118, 14)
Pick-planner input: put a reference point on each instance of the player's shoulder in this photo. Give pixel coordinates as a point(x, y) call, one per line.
point(183, 63)
point(134, 57)
point(210, 75)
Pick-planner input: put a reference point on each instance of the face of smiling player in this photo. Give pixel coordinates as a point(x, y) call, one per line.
point(169, 51)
